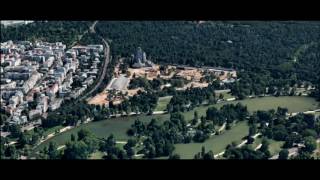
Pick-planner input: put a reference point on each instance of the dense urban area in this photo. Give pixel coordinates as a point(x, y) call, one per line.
point(160, 90)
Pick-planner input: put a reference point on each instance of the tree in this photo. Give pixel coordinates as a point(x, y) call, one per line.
point(196, 116)
point(130, 152)
point(214, 115)
point(174, 156)
point(265, 148)
point(200, 136)
point(221, 96)
point(35, 137)
point(203, 155)
point(3, 117)
point(168, 149)
point(303, 155)
point(203, 151)
point(208, 156)
point(76, 150)
point(53, 152)
point(280, 132)
point(73, 138)
point(283, 154)
point(291, 139)
point(252, 130)
point(131, 143)
point(3, 141)
point(11, 152)
point(212, 100)
point(250, 140)
point(83, 133)
point(15, 131)
point(22, 141)
point(197, 156)
point(309, 132)
point(310, 144)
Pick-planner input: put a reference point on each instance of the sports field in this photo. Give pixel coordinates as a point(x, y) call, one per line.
point(119, 126)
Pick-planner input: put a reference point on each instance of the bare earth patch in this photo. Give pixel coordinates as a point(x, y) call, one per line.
point(133, 92)
point(99, 99)
point(148, 72)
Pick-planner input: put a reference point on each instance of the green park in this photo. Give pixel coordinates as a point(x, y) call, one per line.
point(119, 126)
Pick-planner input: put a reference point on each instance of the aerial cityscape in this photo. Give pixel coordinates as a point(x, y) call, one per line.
point(102, 90)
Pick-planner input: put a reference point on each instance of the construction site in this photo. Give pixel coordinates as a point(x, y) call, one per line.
point(117, 89)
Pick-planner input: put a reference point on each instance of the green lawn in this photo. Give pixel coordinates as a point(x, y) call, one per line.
point(256, 142)
point(96, 155)
point(275, 146)
point(316, 155)
point(216, 143)
point(102, 129)
point(119, 126)
point(52, 130)
point(162, 103)
point(293, 103)
point(225, 95)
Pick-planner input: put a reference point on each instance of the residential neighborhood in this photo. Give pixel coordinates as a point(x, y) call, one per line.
point(38, 77)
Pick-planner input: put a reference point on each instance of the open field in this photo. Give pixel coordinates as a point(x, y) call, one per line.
point(52, 130)
point(96, 155)
point(225, 95)
point(162, 103)
point(275, 146)
point(293, 103)
point(102, 129)
point(256, 142)
point(217, 143)
point(119, 126)
point(318, 151)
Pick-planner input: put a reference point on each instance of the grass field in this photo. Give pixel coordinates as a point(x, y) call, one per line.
point(96, 155)
point(225, 95)
point(162, 103)
point(256, 142)
point(217, 143)
point(317, 155)
point(52, 130)
point(102, 129)
point(275, 146)
point(294, 104)
point(119, 126)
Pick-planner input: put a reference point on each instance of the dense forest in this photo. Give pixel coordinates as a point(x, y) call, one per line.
point(242, 45)
point(267, 54)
